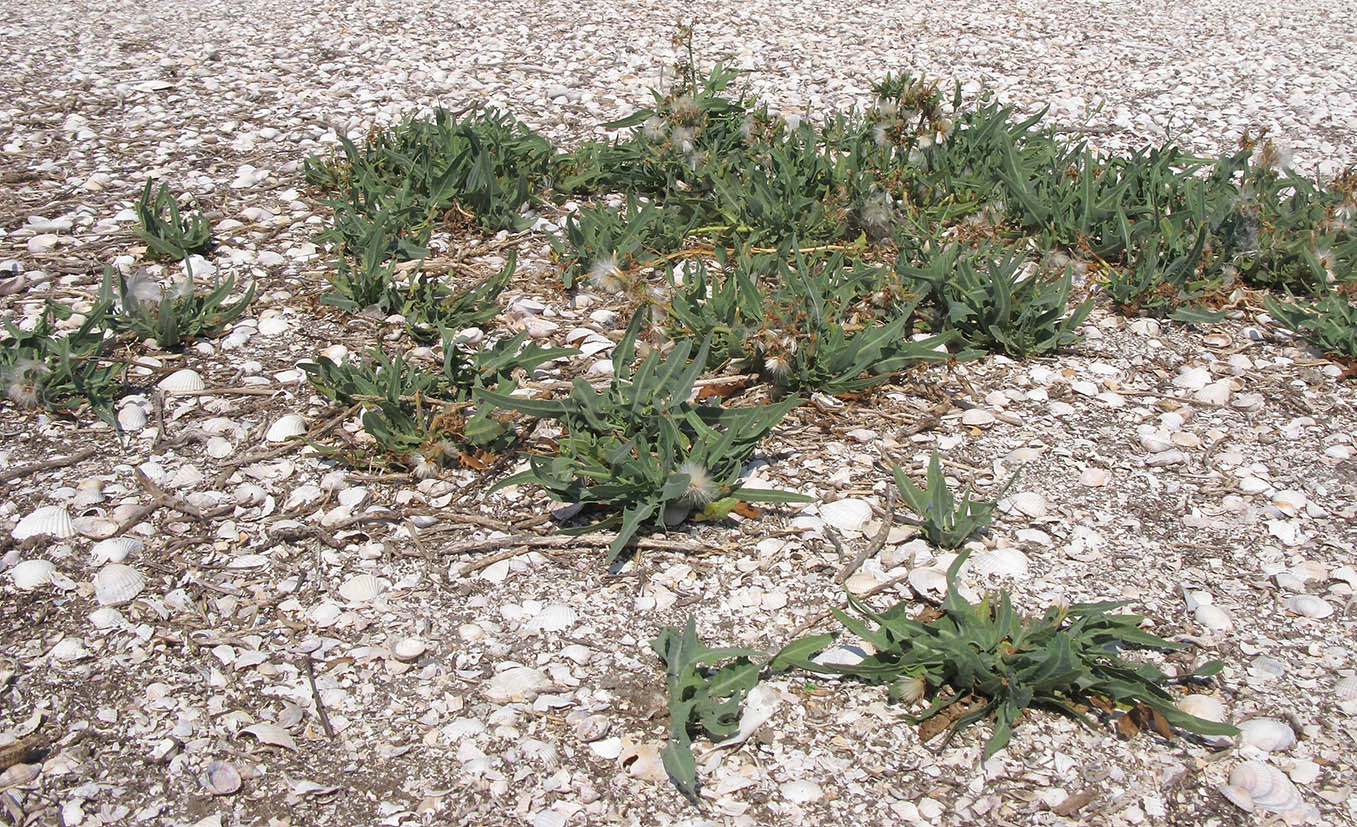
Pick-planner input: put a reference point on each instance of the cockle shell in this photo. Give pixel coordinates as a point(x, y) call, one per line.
point(115, 550)
point(928, 579)
point(116, 584)
point(408, 648)
point(221, 778)
point(1203, 706)
point(106, 617)
point(1346, 689)
point(592, 728)
point(30, 574)
point(1001, 562)
point(553, 617)
point(286, 427)
point(1308, 605)
point(1267, 734)
point(1255, 785)
point(49, 520)
point(643, 761)
point(186, 380)
point(131, 417)
point(360, 588)
point(517, 683)
point(88, 492)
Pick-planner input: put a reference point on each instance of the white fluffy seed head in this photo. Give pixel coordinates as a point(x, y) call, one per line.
point(653, 129)
point(606, 276)
point(701, 487)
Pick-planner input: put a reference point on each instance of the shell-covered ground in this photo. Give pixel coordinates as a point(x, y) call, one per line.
point(310, 644)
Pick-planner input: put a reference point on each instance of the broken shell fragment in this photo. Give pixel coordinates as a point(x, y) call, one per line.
point(1308, 605)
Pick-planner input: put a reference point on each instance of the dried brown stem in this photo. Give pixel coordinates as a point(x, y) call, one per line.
point(44, 465)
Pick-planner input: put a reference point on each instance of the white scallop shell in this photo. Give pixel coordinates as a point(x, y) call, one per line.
point(928, 579)
point(131, 417)
point(88, 492)
point(1002, 562)
point(115, 550)
point(360, 588)
point(219, 447)
point(1267, 734)
point(116, 584)
point(1346, 689)
point(30, 574)
point(1205, 707)
point(49, 520)
point(285, 428)
point(186, 380)
point(1308, 605)
point(554, 617)
point(106, 617)
point(1255, 785)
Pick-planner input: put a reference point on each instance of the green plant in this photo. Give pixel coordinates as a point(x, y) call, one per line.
point(165, 232)
point(42, 368)
point(420, 418)
point(1329, 324)
point(604, 245)
point(174, 317)
point(945, 523)
point(997, 663)
point(703, 699)
point(641, 447)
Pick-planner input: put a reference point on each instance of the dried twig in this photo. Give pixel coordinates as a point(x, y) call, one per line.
point(315, 695)
point(522, 544)
point(878, 542)
point(34, 467)
point(187, 509)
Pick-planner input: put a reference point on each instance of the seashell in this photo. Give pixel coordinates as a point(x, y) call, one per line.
point(49, 520)
point(18, 775)
point(116, 584)
point(95, 527)
point(928, 579)
point(643, 761)
point(1308, 605)
point(802, 791)
point(186, 380)
point(88, 492)
point(978, 417)
point(408, 648)
point(69, 649)
point(1213, 617)
point(251, 493)
point(1346, 689)
point(592, 728)
point(106, 617)
point(844, 655)
point(114, 550)
point(1030, 503)
point(30, 574)
point(1267, 734)
point(219, 447)
point(554, 617)
point(336, 353)
point(1255, 785)
point(361, 588)
point(540, 751)
point(325, 614)
point(1002, 562)
point(285, 428)
point(131, 417)
point(221, 778)
point(548, 818)
point(1206, 707)
point(516, 684)
point(847, 514)
point(273, 326)
point(1094, 477)
point(860, 582)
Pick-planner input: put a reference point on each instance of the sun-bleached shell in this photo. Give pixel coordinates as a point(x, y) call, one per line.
point(553, 617)
point(517, 683)
point(47, 520)
point(1267, 734)
point(106, 617)
point(408, 648)
point(89, 491)
point(186, 380)
point(286, 427)
point(221, 778)
point(116, 584)
point(115, 550)
point(1255, 785)
point(1346, 689)
point(360, 588)
point(643, 761)
point(1205, 707)
point(30, 574)
point(1001, 562)
point(1308, 605)
point(131, 417)
point(928, 579)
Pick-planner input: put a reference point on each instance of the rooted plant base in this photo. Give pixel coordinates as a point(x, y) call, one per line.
point(1205, 473)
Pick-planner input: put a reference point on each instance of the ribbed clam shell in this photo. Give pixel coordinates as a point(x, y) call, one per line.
point(219, 447)
point(131, 417)
point(186, 380)
point(30, 574)
point(1346, 689)
point(1267, 734)
point(116, 584)
point(1308, 605)
point(361, 588)
point(1261, 786)
point(88, 492)
point(286, 427)
point(553, 617)
point(49, 520)
point(115, 550)
point(106, 617)
point(1002, 562)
